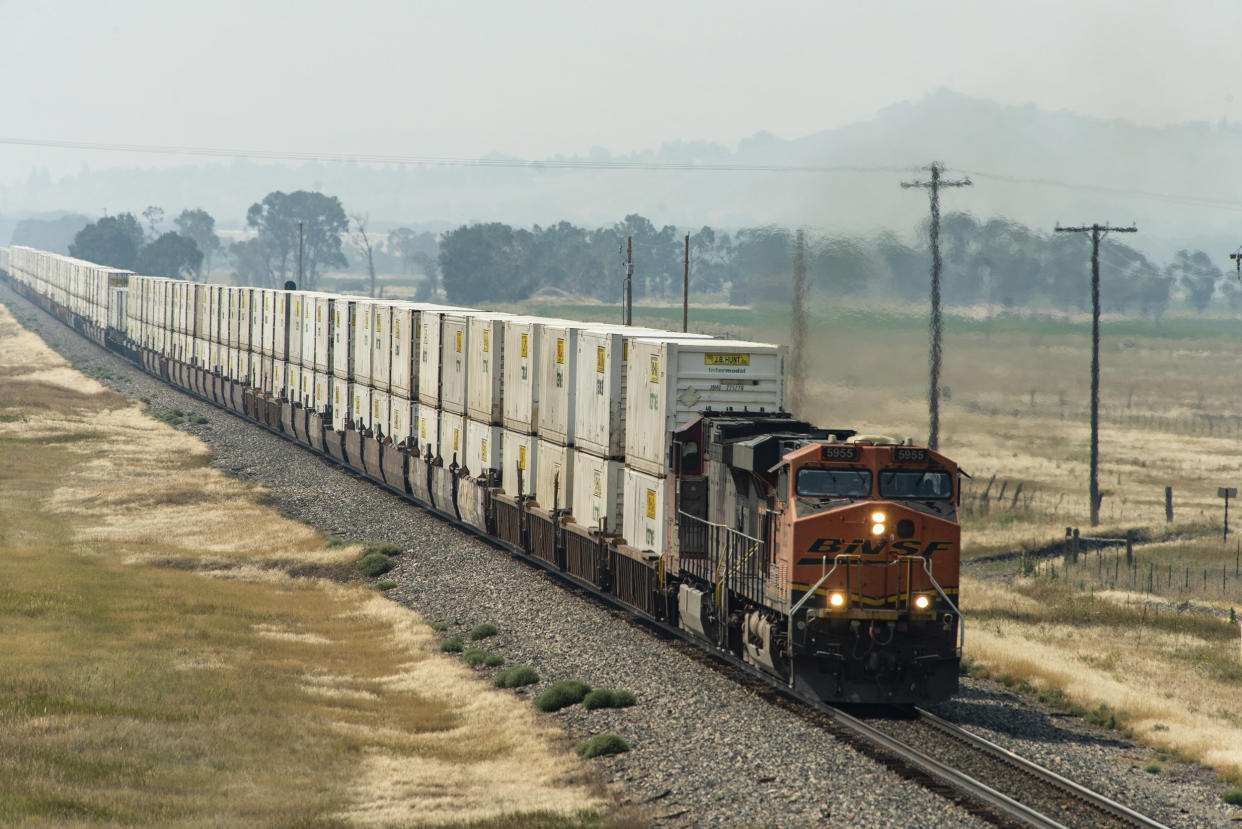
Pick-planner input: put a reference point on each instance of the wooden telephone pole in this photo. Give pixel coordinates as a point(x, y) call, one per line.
point(1097, 232)
point(933, 396)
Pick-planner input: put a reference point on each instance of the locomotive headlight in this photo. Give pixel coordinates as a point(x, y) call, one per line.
point(922, 602)
point(877, 529)
point(836, 599)
point(877, 517)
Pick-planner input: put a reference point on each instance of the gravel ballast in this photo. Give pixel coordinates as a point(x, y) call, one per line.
point(704, 750)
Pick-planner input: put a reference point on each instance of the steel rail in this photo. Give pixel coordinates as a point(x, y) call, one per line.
point(1105, 804)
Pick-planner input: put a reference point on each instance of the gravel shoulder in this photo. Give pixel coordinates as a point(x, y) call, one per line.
point(705, 751)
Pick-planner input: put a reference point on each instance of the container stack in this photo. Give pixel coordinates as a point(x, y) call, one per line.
point(668, 383)
point(485, 365)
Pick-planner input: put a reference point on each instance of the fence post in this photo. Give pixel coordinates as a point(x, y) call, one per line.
point(1129, 546)
point(1168, 504)
point(1074, 545)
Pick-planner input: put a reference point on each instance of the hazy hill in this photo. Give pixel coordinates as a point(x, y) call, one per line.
point(1035, 166)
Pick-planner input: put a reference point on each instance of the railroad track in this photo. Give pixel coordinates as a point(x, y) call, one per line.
point(981, 776)
point(1006, 785)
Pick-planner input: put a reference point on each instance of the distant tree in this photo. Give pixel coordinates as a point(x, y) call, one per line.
point(198, 225)
point(762, 266)
point(53, 235)
point(483, 263)
point(154, 215)
point(413, 247)
point(1197, 275)
point(113, 240)
point(171, 255)
point(324, 223)
point(364, 247)
point(254, 263)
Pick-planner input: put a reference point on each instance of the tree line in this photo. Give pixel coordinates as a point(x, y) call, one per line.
point(995, 261)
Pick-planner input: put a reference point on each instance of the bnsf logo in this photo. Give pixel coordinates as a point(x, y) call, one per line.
point(867, 547)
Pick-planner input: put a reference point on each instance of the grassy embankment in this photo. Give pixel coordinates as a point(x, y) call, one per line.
point(1163, 664)
point(159, 663)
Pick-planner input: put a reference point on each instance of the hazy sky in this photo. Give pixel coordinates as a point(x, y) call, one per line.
point(537, 78)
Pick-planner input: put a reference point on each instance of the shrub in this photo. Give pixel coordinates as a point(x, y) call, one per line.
point(197, 420)
point(602, 744)
point(385, 585)
point(335, 541)
point(603, 698)
point(493, 660)
point(562, 693)
point(483, 631)
point(1152, 768)
point(516, 677)
point(473, 656)
point(1232, 796)
point(382, 547)
point(438, 626)
point(375, 564)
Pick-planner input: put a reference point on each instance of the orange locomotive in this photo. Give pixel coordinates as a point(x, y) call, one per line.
point(825, 558)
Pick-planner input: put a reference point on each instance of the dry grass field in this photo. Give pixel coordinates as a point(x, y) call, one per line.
point(160, 665)
point(1148, 647)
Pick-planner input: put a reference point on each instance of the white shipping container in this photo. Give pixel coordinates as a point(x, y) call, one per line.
point(280, 382)
point(520, 403)
point(256, 371)
point(307, 388)
point(402, 413)
point(343, 338)
point(518, 452)
point(269, 376)
point(324, 346)
point(280, 325)
point(379, 413)
point(454, 362)
point(483, 445)
point(643, 524)
point(404, 350)
point(599, 411)
point(485, 367)
point(599, 492)
point(243, 318)
point(293, 353)
point(427, 427)
point(308, 330)
point(360, 323)
point(381, 346)
point(323, 392)
point(554, 482)
point(430, 334)
point(267, 298)
point(453, 438)
point(558, 355)
point(360, 406)
point(341, 392)
point(256, 320)
point(670, 381)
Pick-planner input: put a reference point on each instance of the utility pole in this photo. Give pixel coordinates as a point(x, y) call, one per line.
point(629, 280)
point(933, 396)
point(1097, 232)
point(685, 290)
point(300, 285)
point(798, 325)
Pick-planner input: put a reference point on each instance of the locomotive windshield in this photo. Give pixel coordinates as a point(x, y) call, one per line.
point(903, 483)
point(818, 482)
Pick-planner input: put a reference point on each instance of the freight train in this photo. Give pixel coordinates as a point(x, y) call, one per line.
point(658, 469)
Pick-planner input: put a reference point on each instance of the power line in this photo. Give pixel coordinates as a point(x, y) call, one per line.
point(445, 161)
point(594, 164)
point(1097, 232)
point(933, 395)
